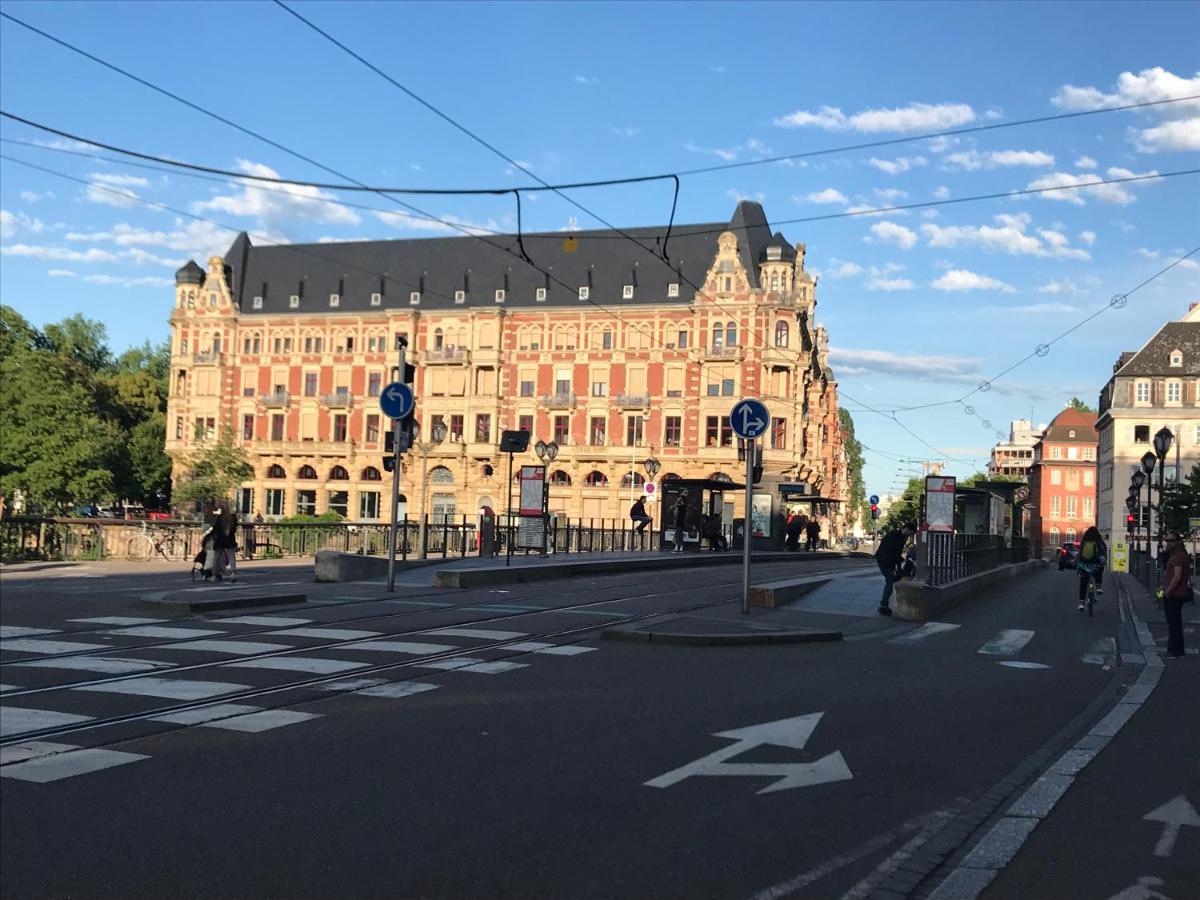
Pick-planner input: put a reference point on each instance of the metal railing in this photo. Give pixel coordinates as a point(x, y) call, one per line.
point(559, 401)
point(275, 398)
point(446, 355)
point(632, 401)
point(208, 357)
point(946, 556)
point(337, 400)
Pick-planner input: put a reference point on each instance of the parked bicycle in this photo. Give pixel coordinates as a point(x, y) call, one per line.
point(149, 541)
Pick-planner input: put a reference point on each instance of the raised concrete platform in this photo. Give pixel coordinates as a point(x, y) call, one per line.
point(188, 600)
point(336, 566)
point(918, 602)
point(703, 631)
point(773, 594)
point(570, 567)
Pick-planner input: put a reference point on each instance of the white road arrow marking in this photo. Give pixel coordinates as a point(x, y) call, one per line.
point(793, 733)
point(1173, 814)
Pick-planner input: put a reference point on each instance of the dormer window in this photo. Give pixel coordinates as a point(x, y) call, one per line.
point(673, 289)
point(256, 303)
point(1142, 394)
point(1071, 433)
point(584, 292)
point(500, 295)
point(414, 298)
point(335, 300)
point(540, 295)
point(294, 301)
point(212, 299)
point(377, 299)
point(460, 296)
point(1176, 359)
point(774, 253)
point(627, 292)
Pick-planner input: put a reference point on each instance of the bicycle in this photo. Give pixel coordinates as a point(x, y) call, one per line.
point(1090, 602)
point(149, 541)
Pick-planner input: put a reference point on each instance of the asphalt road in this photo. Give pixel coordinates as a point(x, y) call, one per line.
point(493, 746)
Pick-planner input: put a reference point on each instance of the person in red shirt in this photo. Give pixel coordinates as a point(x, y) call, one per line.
point(1176, 589)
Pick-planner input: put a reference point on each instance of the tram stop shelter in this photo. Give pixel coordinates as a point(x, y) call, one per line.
point(705, 498)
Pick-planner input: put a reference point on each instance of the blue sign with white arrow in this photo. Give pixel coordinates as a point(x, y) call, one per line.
point(874, 499)
point(749, 419)
point(396, 401)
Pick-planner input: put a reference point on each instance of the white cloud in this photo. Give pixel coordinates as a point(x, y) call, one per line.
point(34, 197)
point(753, 146)
point(896, 166)
point(513, 170)
point(114, 190)
point(1119, 194)
point(62, 273)
point(412, 223)
point(1088, 237)
point(964, 280)
point(914, 117)
point(889, 284)
point(829, 195)
point(1188, 264)
point(1008, 236)
point(942, 143)
point(1035, 308)
point(118, 280)
point(626, 131)
point(942, 193)
point(973, 160)
point(585, 79)
point(1065, 286)
point(890, 195)
point(1179, 128)
point(894, 233)
point(1086, 162)
point(844, 269)
point(280, 206)
point(192, 240)
point(1149, 254)
point(59, 254)
point(13, 223)
point(920, 368)
point(727, 155)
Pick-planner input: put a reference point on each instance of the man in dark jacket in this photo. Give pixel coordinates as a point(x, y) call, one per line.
point(639, 516)
point(889, 558)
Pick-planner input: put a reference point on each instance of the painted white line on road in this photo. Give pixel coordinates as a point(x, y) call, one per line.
point(5, 688)
point(18, 720)
point(402, 647)
point(34, 645)
point(333, 634)
point(493, 668)
point(265, 621)
point(417, 603)
point(206, 714)
point(15, 631)
point(1008, 642)
point(350, 684)
point(298, 664)
point(447, 665)
point(1021, 664)
point(262, 721)
point(240, 648)
point(170, 688)
point(482, 633)
point(156, 631)
point(58, 766)
point(550, 649)
point(398, 689)
point(105, 665)
point(119, 620)
point(31, 750)
point(901, 856)
point(927, 630)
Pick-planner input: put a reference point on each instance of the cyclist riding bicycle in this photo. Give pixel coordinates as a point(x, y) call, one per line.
point(1093, 554)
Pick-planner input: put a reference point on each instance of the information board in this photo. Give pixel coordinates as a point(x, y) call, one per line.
point(1120, 558)
point(939, 503)
point(531, 532)
point(533, 490)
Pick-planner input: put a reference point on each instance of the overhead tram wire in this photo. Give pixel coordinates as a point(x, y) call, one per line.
point(509, 159)
point(198, 171)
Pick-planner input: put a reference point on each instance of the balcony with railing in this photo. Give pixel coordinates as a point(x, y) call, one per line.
point(275, 399)
point(337, 401)
point(304, 448)
point(208, 358)
point(632, 401)
point(722, 352)
point(446, 356)
point(559, 401)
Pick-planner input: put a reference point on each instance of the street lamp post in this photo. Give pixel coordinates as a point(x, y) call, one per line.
point(1136, 480)
point(438, 434)
point(652, 467)
point(1162, 446)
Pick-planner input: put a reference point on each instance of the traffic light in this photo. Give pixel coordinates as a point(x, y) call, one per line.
point(407, 424)
point(1129, 521)
point(389, 450)
point(874, 510)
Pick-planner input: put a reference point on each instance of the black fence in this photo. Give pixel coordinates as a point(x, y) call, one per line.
point(949, 557)
point(30, 538)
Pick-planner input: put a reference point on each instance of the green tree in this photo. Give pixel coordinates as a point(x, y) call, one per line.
point(1077, 404)
point(213, 472)
point(1181, 502)
point(854, 459)
point(907, 507)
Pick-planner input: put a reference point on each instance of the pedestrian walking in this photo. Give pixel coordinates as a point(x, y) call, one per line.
point(225, 541)
point(795, 526)
point(1177, 589)
point(638, 514)
point(679, 516)
point(813, 532)
point(890, 557)
point(712, 531)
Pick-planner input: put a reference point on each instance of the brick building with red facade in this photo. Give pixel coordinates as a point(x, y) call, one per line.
point(1062, 481)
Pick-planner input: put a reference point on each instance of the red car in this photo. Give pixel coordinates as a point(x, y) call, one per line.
point(158, 515)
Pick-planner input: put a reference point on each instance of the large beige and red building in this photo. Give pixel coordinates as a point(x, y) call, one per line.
point(608, 350)
point(1062, 480)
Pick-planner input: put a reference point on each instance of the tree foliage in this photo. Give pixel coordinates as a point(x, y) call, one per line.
point(906, 507)
point(854, 459)
point(214, 471)
point(1077, 404)
point(79, 425)
point(1181, 502)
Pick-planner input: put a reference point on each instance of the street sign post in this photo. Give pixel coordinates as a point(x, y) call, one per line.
point(749, 419)
point(396, 400)
point(874, 499)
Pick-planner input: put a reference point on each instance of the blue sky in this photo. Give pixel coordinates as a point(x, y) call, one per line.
point(921, 307)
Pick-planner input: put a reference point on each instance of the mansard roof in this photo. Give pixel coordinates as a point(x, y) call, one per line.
point(602, 260)
point(1155, 358)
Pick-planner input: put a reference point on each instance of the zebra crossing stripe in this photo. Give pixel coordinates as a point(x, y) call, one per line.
point(14, 631)
point(1008, 642)
point(398, 689)
point(18, 720)
point(481, 633)
point(927, 630)
point(57, 766)
point(169, 688)
point(298, 664)
point(105, 665)
point(35, 645)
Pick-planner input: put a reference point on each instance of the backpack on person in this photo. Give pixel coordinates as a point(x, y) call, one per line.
point(1089, 552)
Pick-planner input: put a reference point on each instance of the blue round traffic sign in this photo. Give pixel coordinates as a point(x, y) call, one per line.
point(396, 400)
point(874, 499)
point(749, 418)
